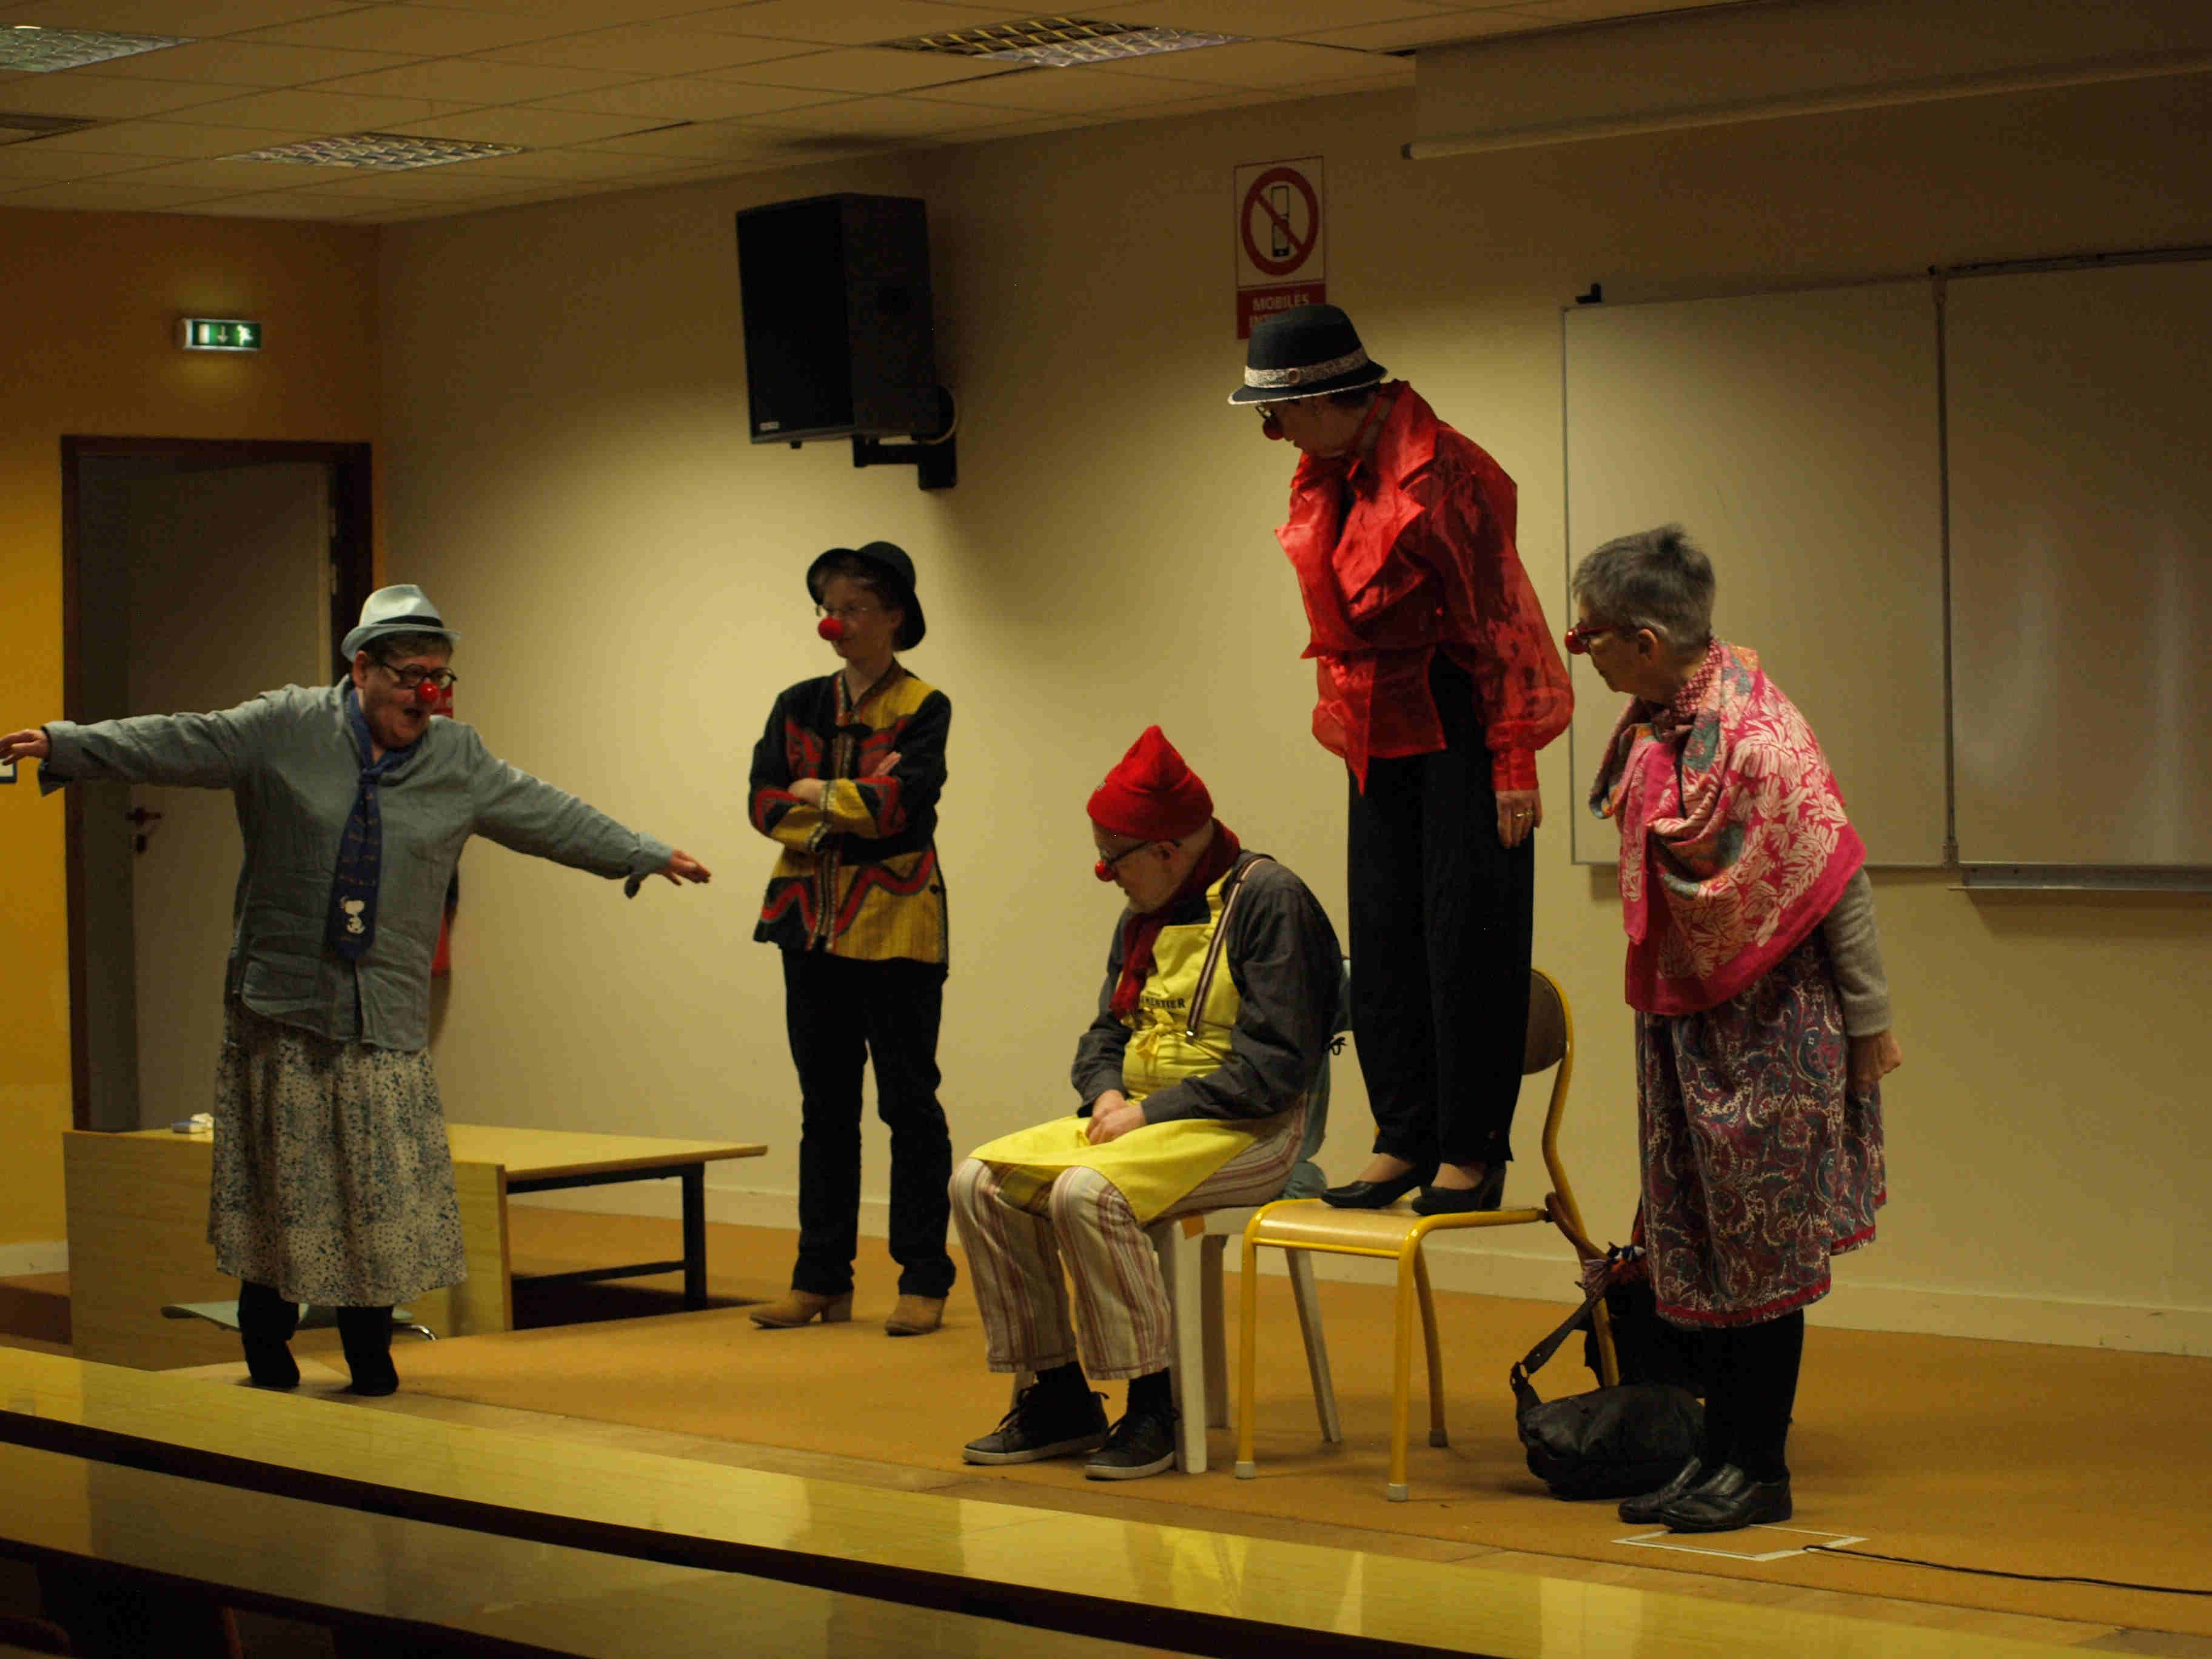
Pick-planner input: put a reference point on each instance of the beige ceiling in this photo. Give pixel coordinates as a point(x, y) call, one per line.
point(614, 94)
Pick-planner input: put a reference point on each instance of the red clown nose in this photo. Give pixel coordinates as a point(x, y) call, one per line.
point(428, 695)
point(831, 629)
point(1103, 870)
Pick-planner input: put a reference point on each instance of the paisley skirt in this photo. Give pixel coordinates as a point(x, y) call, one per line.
point(332, 1180)
point(1758, 1163)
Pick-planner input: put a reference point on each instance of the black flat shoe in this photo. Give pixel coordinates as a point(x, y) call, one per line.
point(1372, 1195)
point(1729, 1500)
point(1486, 1194)
point(1645, 1510)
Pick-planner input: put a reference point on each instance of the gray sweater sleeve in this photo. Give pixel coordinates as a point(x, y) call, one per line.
point(191, 752)
point(521, 812)
point(1856, 950)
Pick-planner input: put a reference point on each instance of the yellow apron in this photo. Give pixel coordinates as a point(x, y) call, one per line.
point(1181, 1027)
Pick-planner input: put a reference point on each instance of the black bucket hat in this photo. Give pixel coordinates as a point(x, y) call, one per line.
point(1302, 353)
point(889, 564)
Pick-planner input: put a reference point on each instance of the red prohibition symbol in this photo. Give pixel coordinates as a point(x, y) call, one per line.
point(1269, 261)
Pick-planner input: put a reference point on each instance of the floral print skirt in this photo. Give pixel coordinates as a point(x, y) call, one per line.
point(1758, 1163)
point(333, 1181)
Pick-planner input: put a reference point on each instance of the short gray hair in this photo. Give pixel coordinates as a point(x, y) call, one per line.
point(1656, 579)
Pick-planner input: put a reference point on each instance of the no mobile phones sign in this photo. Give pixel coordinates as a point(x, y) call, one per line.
point(1281, 238)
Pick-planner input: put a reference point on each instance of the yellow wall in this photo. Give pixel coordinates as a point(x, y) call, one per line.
point(572, 480)
point(89, 348)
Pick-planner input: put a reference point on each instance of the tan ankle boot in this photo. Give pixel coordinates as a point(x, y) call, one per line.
point(795, 1308)
point(915, 1315)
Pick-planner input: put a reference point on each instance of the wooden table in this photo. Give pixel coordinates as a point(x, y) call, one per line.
point(137, 1230)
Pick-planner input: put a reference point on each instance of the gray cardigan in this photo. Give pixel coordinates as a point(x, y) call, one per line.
point(289, 760)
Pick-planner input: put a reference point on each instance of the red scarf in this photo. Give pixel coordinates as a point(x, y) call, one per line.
point(1139, 932)
point(1733, 845)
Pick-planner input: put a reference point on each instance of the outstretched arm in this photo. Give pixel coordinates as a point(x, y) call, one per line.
point(531, 815)
point(195, 751)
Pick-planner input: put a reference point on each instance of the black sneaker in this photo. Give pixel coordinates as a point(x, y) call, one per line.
point(1142, 1442)
point(1044, 1423)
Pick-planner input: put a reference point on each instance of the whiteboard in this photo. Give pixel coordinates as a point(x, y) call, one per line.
point(2080, 478)
point(1795, 437)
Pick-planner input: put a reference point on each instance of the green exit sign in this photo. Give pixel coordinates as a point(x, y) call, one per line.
point(218, 334)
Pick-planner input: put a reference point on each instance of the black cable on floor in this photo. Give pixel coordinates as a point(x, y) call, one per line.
point(1998, 1572)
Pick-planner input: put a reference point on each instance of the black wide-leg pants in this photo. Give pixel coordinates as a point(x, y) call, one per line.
point(1441, 918)
point(841, 1015)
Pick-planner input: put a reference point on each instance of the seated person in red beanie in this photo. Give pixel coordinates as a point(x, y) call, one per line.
point(1214, 1019)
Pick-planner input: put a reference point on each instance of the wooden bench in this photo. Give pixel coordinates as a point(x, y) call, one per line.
point(137, 1230)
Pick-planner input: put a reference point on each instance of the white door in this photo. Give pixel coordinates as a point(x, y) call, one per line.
point(225, 574)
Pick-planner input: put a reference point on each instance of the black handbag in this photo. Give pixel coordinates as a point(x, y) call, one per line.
point(1618, 1442)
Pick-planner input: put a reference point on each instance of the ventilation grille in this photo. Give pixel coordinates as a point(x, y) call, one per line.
point(1061, 42)
point(29, 50)
point(382, 152)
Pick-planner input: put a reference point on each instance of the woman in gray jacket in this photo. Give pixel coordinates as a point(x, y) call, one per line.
point(332, 1184)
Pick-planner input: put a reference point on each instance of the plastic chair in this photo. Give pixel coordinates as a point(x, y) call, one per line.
point(1303, 1227)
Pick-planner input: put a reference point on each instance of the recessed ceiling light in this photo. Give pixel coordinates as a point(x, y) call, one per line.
point(386, 152)
point(1061, 42)
point(28, 49)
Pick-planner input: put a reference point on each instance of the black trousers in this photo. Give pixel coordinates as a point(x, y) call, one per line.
point(1441, 918)
point(842, 1014)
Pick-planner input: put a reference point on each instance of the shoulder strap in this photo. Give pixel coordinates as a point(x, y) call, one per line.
point(1539, 1356)
point(1231, 887)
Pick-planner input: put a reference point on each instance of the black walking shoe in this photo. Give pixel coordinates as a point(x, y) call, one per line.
point(1645, 1510)
point(1729, 1500)
point(1372, 1195)
point(1045, 1422)
point(1142, 1442)
point(1487, 1193)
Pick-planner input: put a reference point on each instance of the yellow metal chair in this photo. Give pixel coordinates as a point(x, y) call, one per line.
point(1397, 1235)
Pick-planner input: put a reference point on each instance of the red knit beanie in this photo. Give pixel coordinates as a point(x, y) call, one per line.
point(1152, 795)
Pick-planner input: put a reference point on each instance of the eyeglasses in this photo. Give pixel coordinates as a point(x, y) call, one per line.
point(1105, 867)
point(1580, 636)
point(849, 613)
point(410, 678)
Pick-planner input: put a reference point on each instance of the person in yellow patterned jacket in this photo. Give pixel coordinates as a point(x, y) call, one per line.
point(1213, 1023)
point(845, 780)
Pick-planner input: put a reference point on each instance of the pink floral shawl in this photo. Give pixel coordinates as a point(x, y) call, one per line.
point(1733, 845)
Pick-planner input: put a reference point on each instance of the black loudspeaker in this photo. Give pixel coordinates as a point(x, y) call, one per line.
point(835, 294)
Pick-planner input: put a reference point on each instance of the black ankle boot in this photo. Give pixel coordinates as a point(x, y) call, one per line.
point(366, 1335)
point(266, 1321)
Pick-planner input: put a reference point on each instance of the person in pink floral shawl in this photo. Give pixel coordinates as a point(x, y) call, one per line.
point(1762, 1018)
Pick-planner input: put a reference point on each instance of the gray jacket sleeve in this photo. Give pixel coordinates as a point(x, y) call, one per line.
point(186, 751)
point(1098, 1055)
point(528, 815)
point(1856, 950)
point(1282, 955)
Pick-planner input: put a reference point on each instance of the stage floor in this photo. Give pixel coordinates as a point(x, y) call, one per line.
point(1986, 1454)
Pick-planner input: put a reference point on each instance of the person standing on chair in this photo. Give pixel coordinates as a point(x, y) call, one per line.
point(332, 1183)
point(1438, 683)
point(1762, 1017)
point(1213, 1023)
point(845, 780)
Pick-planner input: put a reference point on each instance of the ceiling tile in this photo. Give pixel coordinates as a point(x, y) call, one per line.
point(174, 140)
point(1263, 19)
point(72, 92)
point(306, 110)
point(473, 81)
point(886, 118)
point(106, 196)
point(244, 63)
point(1554, 12)
point(849, 22)
point(650, 49)
point(1069, 91)
point(533, 129)
point(1441, 28)
point(581, 13)
point(684, 98)
point(413, 185)
point(1031, 128)
point(553, 166)
point(191, 19)
point(867, 69)
point(25, 164)
point(227, 177)
point(425, 31)
point(1258, 63)
point(698, 140)
point(309, 204)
